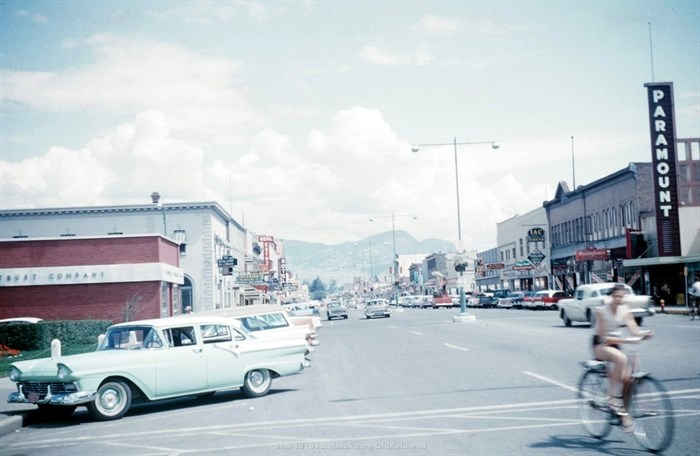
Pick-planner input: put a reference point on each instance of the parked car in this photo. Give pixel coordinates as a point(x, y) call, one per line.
point(487, 300)
point(150, 360)
point(548, 299)
point(587, 296)
point(441, 300)
point(482, 299)
point(426, 301)
point(336, 309)
point(303, 310)
point(377, 308)
point(513, 298)
point(528, 301)
point(20, 321)
point(270, 321)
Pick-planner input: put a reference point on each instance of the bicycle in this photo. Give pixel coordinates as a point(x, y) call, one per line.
point(648, 405)
point(693, 307)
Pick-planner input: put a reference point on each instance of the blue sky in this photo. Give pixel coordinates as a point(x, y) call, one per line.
point(299, 117)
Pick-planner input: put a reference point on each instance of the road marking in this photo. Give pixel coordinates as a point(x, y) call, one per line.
point(553, 382)
point(416, 333)
point(393, 327)
point(456, 347)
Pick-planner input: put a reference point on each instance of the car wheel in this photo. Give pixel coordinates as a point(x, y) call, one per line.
point(55, 412)
point(345, 317)
point(257, 383)
point(567, 321)
point(112, 401)
point(589, 317)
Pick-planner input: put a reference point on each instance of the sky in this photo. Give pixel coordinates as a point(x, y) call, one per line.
point(299, 118)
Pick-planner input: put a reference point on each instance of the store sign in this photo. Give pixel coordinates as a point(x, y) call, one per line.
point(525, 265)
point(536, 257)
point(592, 255)
point(250, 277)
point(495, 266)
point(535, 235)
point(663, 159)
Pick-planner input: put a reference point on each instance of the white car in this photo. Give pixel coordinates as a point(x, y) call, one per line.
point(590, 295)
point(20, 321)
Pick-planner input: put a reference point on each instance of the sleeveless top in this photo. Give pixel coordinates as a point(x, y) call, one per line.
point(612, 322)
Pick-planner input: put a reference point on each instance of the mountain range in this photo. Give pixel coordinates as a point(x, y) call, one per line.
point(342, 262)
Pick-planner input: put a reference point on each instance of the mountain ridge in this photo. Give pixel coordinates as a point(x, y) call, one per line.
point(341, 262)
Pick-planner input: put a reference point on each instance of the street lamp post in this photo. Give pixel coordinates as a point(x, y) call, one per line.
point(395, 261)
point(416, 148)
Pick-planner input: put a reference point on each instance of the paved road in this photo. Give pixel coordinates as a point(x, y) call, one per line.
point(412, 384)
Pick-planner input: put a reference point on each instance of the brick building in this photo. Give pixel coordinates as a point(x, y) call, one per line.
point(589, 225)
point(114, 278)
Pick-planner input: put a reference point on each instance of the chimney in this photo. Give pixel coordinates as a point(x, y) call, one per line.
point(155, 197)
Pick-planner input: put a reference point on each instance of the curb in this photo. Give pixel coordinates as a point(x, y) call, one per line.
point(10, 423)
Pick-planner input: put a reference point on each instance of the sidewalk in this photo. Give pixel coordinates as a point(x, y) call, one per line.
point(11, 415)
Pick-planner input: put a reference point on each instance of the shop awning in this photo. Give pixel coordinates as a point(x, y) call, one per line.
point(656, 261)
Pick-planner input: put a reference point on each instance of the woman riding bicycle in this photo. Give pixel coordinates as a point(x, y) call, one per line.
point(610, 317)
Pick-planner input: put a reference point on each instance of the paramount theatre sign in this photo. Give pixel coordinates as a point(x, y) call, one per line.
point(663, 156)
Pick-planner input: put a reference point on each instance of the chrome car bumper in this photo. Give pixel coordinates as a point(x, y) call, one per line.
point(62, 398)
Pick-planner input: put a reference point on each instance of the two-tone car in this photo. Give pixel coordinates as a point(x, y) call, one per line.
point(149, 360)
point(587, 296)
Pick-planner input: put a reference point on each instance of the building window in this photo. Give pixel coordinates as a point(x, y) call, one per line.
point(180, 236)
point(521, 247)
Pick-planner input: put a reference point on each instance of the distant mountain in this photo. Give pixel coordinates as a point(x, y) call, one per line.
point(342, 262)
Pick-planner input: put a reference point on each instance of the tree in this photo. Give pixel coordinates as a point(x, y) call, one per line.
point(131, 307)
point(317, 289)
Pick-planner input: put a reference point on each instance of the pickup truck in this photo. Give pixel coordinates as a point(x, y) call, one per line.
point(587, 296)
point(441, 300)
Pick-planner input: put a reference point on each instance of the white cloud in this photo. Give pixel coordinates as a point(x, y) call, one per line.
point(379, 56)
point(436, 25)
point(34, 17)
point(200, 95)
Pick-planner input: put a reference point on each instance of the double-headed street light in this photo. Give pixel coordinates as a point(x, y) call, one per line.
point(395, 263)
point(416, 148)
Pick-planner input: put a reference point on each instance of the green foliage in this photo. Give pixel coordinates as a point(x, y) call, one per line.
point(39, 336)
point(317, 289)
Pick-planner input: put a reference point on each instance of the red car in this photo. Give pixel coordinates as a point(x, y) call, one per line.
point(547, 299)
point(528, 300)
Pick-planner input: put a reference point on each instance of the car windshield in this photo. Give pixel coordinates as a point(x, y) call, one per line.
point(333, 304)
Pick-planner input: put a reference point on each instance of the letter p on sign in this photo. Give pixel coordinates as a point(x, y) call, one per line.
point(658, 95)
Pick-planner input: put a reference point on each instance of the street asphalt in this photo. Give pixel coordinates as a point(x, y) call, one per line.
point(12, 416)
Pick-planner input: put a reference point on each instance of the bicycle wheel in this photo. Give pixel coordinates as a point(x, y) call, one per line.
point(652, 414)
point(592, 404)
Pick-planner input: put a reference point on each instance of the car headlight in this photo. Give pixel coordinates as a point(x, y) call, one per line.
point(63, 372)
point(15, 374)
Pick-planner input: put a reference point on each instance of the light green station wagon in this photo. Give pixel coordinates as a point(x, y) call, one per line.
point(157, 359)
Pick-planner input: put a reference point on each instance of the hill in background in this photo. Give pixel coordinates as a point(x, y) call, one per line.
point(342, 262)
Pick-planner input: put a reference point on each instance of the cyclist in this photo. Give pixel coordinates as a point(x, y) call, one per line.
point(610, 317)
point(695, 295)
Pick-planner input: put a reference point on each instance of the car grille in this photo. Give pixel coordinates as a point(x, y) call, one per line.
point(42, 388)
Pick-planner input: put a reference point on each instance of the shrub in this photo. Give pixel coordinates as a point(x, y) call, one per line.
point(38, 336)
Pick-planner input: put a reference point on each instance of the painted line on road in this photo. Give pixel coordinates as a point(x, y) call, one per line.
point(456, 347)
point(552, 381)
point(416, 333)
point(393, 327)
